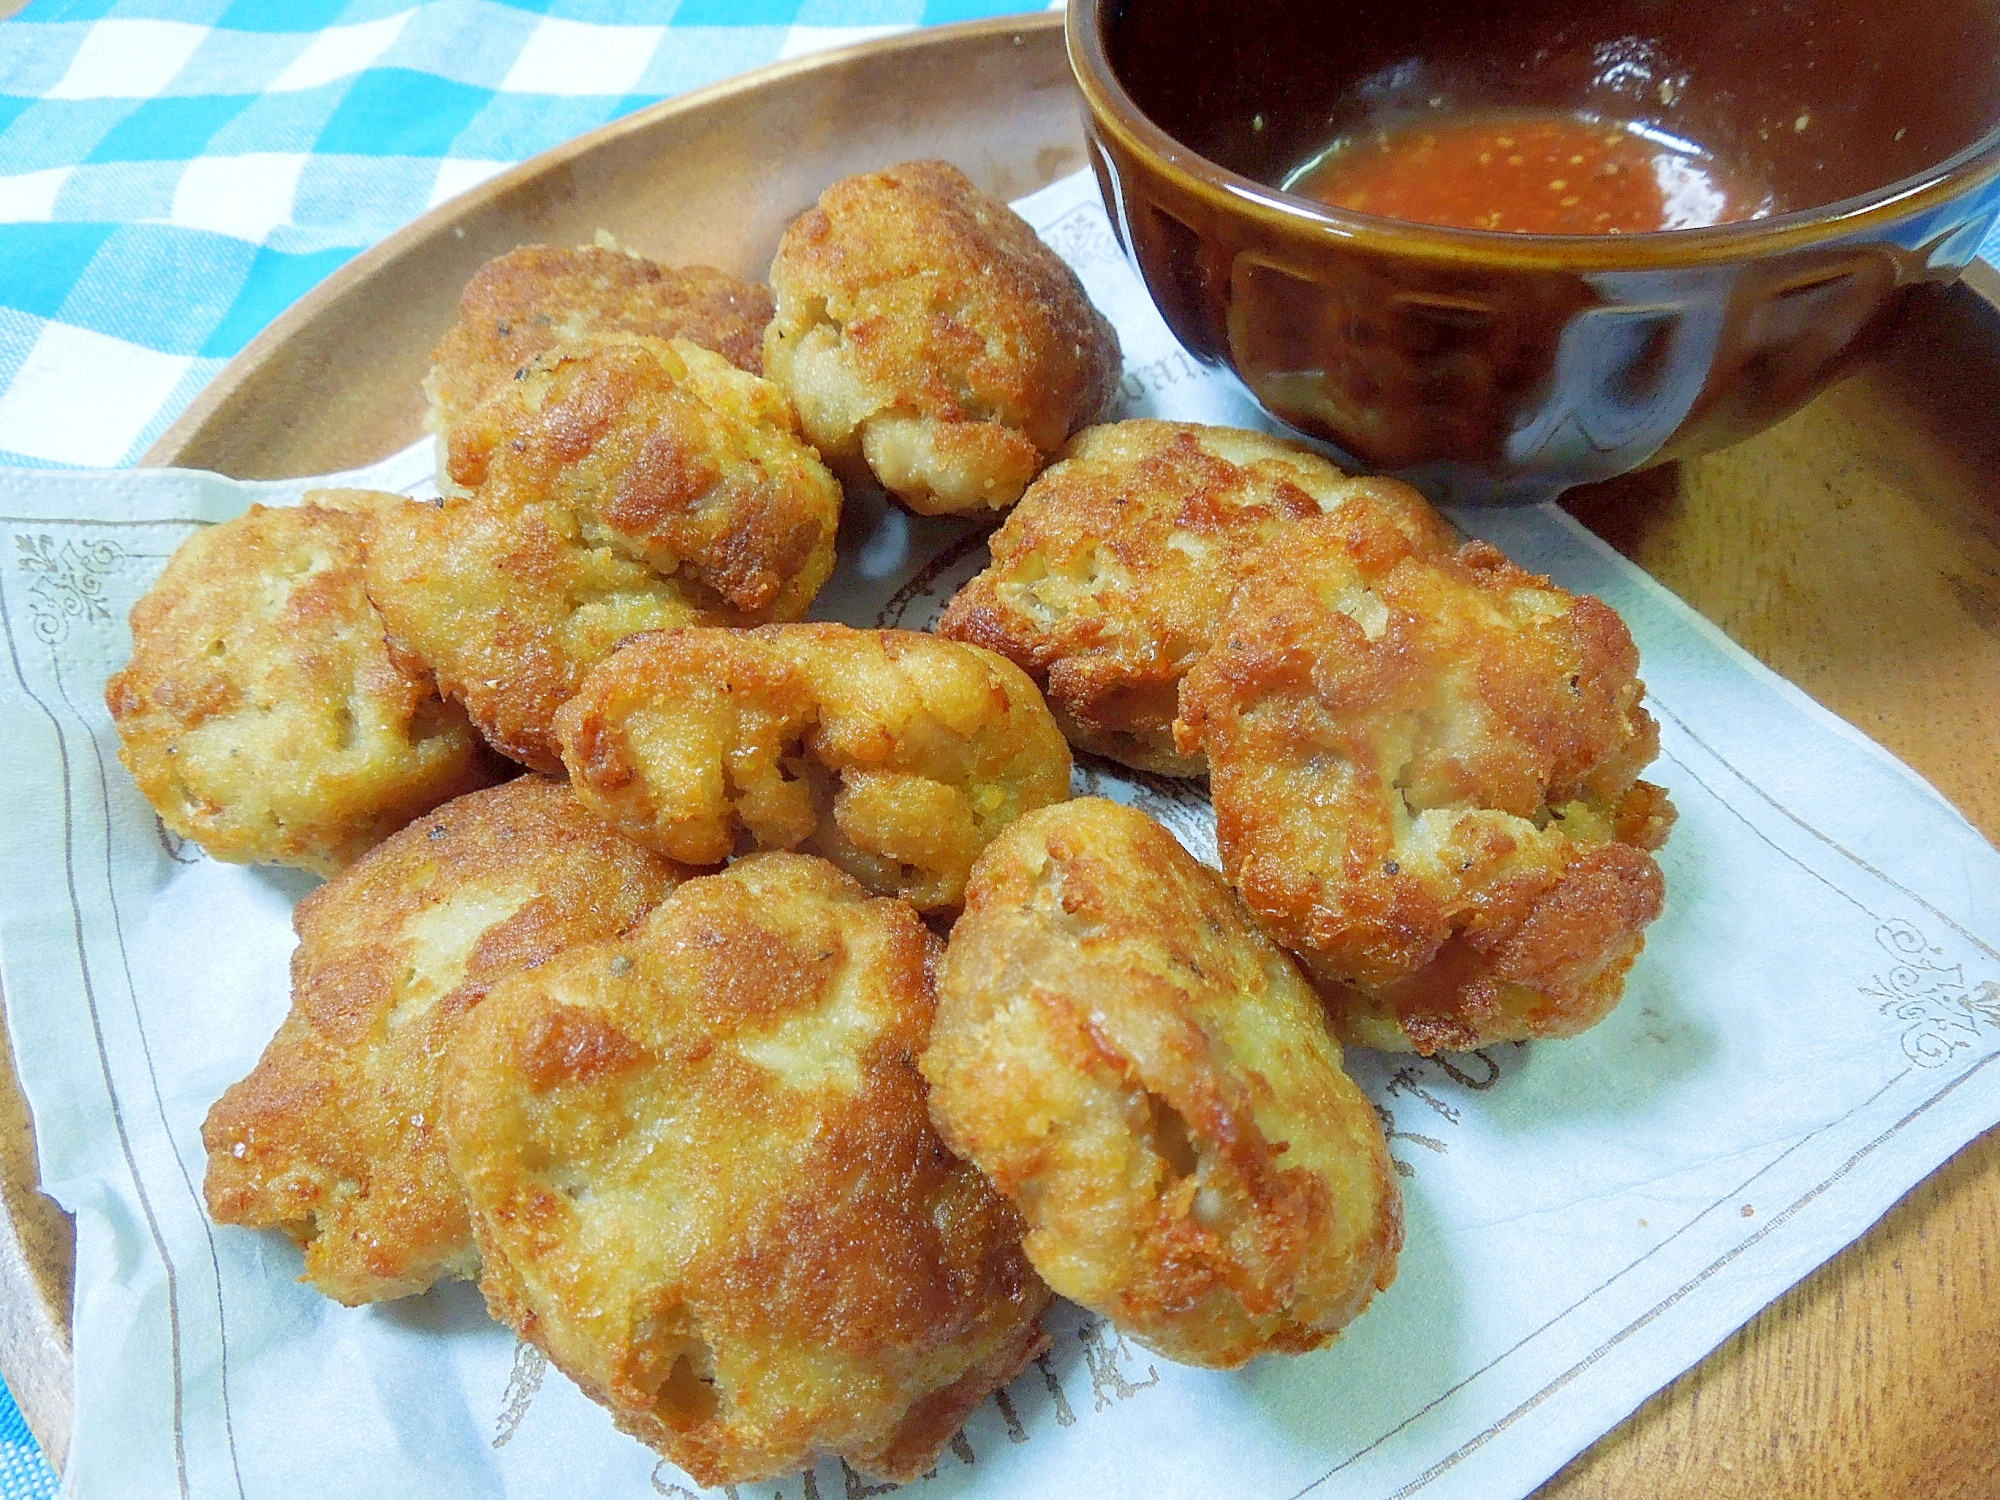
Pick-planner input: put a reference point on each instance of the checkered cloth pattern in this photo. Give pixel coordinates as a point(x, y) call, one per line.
point(24, 1473)
point(175, 173)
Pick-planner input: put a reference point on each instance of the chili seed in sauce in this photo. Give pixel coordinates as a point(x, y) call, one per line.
point(1556, 174)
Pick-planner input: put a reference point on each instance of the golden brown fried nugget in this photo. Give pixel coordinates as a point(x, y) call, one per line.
point(705, 1185)
point(674, 457)
point(893, 753)
point(1109, 578)
point(1151, 1082)
point(263, 714)
point(1424, 772)
point(335, 1136)
point(510, 607)
point(929, 337)
point(529, 300)
point(633, 485)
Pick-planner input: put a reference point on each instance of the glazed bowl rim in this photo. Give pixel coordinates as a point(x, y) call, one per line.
point(1227, 191)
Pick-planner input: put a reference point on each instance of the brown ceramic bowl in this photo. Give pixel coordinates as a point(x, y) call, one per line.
point(1507, 367)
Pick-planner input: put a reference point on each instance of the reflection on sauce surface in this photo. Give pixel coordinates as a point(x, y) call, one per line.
point(1529, 174)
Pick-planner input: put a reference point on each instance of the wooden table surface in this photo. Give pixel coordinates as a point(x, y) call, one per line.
point(1855, 548)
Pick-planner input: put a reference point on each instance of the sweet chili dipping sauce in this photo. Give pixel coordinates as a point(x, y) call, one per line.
point(1539, 174)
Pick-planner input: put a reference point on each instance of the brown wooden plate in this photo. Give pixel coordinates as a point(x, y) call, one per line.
point(1855, 548)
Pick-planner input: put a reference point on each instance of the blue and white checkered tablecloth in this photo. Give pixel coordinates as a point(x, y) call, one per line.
point(175, 173)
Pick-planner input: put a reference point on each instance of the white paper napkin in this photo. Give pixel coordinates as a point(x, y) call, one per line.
point(1810, 1032)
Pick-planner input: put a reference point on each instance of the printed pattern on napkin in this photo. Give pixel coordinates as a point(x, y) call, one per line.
point(169, 186)
point(1812, 1029)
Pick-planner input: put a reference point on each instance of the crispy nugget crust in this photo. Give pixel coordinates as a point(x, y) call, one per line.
point(628, 485)
point(669, 454)
point(529, 300)
point(929, 337)
point(1109, 578)
point(334, 1136)
point(893, 753)
point(704, 1182)
point(510, 607)
point(1150, 1081)
point(263, 714)
point(1424, 772)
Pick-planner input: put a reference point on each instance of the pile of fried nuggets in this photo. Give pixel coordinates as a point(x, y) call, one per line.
point(659, 1040)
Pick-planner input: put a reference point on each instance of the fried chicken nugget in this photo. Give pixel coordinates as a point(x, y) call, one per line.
point(334, 1136)
point(673, 456)
point(1109, 577)
point(263, 713)
point(529, 300)
point(1425, 782)
point(929, 338)
point(704, 1182)
point(631, 485)
point(510, 607)
point(1151, 1082)
point(894, 754)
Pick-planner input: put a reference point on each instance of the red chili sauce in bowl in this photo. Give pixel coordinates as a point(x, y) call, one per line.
point(1529, 174)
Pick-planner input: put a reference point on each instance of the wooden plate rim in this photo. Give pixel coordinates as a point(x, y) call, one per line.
point(242, 369)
